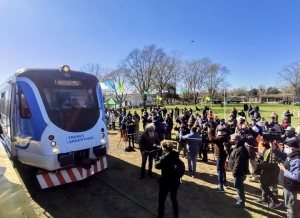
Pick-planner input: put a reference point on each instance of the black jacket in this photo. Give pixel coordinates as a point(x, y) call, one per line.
point(165, 164)
point(238, 162)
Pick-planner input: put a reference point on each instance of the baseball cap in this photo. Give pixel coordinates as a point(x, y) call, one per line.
point(289, 128)
point(292, 143)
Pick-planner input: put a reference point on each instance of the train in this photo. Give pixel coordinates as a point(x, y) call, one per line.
point(54, 120)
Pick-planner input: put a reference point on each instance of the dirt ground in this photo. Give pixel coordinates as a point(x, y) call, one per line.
point(117, 192)
point(196, 196)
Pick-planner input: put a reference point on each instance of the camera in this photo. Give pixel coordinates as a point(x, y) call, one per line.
point(271, 135)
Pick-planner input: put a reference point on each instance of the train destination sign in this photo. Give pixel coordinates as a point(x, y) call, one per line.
point(67, 83)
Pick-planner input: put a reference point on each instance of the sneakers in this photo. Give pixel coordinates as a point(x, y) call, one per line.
point(220, 190)
point(262, 201)
point(274, 205)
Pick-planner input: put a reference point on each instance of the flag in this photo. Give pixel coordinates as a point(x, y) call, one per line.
point(164, 91)
point(207, 98)
point(145, 92)
point(128, 92)
point(121, 88)
point(108, 84)
point(158, 98)
point(197, 90)
point(181, 91)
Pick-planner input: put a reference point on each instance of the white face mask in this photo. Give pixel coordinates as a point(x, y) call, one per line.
point(288, 150)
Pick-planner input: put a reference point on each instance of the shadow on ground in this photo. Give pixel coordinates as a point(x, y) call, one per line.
point(117, 192)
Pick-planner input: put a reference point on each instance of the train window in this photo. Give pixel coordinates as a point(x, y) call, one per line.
point(64, 98)
point(23, 106)
point(2, 94)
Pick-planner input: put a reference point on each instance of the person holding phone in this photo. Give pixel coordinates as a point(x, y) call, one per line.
point(289, 176)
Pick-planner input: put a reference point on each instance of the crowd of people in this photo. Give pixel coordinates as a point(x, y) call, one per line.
point(248, 145)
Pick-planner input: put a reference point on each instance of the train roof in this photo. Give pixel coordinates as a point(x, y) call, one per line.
point(50, 70)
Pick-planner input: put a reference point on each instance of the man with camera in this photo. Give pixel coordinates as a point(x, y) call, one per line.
point(289, 176)
point(147, 143)
point(169, 181)
point(238, 165)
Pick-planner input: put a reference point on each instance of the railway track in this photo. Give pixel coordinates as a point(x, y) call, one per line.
point(89, 198)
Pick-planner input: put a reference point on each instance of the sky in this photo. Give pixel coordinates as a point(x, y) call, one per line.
point(254, 39)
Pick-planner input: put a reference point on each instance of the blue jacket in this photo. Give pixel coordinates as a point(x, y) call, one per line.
point(159, 129)
point(194, 141)
point(290, 178)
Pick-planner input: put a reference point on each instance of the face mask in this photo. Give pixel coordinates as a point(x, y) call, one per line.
point(287, 150)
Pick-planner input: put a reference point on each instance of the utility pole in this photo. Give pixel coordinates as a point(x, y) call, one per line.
point(251, 95)
point(225, 105)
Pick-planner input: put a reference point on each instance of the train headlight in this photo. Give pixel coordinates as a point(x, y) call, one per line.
point(53, 144)
point(103, 135)
point(55, 150)
point(103, 141)
point(64, 68)
point(51, 137)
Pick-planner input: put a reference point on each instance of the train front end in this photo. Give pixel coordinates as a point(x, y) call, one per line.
point(66, 132)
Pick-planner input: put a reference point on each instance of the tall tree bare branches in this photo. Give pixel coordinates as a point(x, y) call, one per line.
point(96, 70)
point(291, 75)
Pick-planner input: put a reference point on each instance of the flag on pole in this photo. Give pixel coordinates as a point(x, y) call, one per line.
point(181, 91)
point(164, 91)
point(145, 92)
point(207, 98)
point(158, 98)
point(197, 90)
point(121, 88)
point(108, 84)
point(128, 92)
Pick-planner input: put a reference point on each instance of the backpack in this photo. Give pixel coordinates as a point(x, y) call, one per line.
point(179, 167)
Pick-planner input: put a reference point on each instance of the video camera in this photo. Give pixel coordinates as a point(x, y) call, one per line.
point(271, 135)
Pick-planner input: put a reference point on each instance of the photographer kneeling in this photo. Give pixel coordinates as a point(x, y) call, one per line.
point(289, 176)
point(170, 166)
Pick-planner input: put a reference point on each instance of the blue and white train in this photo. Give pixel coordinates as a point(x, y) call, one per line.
point(53, 119)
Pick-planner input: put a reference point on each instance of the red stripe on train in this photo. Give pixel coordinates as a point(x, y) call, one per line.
point(48, 180)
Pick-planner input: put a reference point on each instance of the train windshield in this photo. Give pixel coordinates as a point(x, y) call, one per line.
point(69, 97)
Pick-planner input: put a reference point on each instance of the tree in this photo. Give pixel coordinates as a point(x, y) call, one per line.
point(217, 79)
point(166, 69)
point(261, 91)
point(96, 70)
point(141, 65)
point(291, 75)
point(272, 90)
point(195, 76)
point(253, 92)
point(114, 77)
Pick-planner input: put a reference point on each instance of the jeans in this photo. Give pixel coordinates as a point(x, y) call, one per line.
point(168, 134)
point(221, 172)
point(130, 139)
point(203, 150)
point(192, 162)
point(238, 183)
point(145, 156)
point(267, 193)
point(290, 203)
point(164, 188)
point(182, 145)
